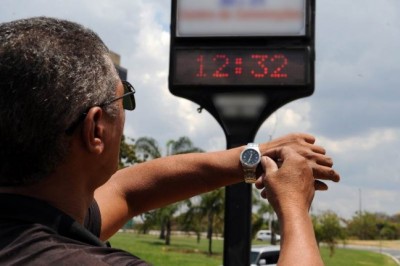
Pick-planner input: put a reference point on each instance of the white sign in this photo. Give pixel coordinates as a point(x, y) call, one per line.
point(198, 18)
point(201, 18)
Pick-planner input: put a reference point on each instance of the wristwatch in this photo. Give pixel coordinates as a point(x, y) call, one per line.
point(250, 158)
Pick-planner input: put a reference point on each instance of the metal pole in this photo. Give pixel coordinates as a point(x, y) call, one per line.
point(237, 229)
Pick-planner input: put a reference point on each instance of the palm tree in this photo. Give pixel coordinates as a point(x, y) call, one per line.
point(127, 155)
point(212, 205)
point(149, 149)
point(192, 219)
point(209, 210)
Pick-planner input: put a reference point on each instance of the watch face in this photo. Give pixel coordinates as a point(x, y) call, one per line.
point(250, 157)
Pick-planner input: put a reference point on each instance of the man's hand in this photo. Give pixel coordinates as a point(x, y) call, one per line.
point(303, 144)
point(290, 188)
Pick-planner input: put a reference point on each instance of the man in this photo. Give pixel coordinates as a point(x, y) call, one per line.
point(62, 117)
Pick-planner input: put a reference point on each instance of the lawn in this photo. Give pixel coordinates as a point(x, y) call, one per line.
point(348, 257)
point(187, 252)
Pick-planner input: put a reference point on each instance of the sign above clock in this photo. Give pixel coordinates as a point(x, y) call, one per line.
point(207, 18)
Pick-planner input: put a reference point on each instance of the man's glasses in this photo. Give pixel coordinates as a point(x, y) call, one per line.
point(128, 103)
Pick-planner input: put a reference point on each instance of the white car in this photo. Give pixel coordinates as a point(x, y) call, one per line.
point(264, 255)
point(266, 235)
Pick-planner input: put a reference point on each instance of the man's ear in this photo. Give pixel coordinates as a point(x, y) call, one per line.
point(93, 130)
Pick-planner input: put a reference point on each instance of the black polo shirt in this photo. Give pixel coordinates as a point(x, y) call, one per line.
point(33, 232)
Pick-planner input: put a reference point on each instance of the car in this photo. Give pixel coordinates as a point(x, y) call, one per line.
point(264, 255)
point(266, 235)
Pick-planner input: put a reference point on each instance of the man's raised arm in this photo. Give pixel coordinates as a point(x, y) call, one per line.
point(157, 183)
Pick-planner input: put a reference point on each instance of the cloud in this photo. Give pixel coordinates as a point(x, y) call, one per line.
point(346, 200)
point(365, 143)
point(357, 58)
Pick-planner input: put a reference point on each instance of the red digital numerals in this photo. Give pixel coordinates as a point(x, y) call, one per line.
point(224, 62)
point(261, 66)
point(283, 61)
point(200, 60)
point(261, 62)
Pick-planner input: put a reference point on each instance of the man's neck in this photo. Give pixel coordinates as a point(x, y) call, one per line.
point(61, 193)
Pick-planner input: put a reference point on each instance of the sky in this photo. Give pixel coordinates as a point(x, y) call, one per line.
point(353, 112)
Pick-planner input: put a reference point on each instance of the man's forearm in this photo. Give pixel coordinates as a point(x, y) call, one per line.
point(174, 178)
point(298, 246)
point(157, 183)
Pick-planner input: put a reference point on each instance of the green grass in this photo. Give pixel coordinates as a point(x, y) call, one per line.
point(182, 251)
point(185, 251)
point(348, 257)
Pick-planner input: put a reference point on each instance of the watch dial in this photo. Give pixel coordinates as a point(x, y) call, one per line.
point(250, 157)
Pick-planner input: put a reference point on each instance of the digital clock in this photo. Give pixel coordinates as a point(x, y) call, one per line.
point(241, 60)
point(241, 67)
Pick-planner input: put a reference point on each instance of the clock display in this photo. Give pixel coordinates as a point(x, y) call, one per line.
point(241, 66)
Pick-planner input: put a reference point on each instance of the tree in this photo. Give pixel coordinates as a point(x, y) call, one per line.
point(370, 226)
point(147, 149)
point(149, 221)
point(363, 226)
point(328, 229)
point(127, 157)
point(209, 210)
point(395, 218)
point(164, 217)
point(192, 219)
point(212, 206)
point(127, 154)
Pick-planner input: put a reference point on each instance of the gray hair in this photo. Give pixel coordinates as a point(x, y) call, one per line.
point(51, 71)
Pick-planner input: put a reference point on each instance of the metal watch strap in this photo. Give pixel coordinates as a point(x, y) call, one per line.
point(249, 176)
point(252, 145)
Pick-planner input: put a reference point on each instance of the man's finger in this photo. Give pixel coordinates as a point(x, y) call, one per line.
point(279, 154)
point(268, 164)
point(318, 149)
point(324, 160)
point(308, 138)
point(325, 173)
point(318, 185)
point(259, 182)
point(263, 193)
